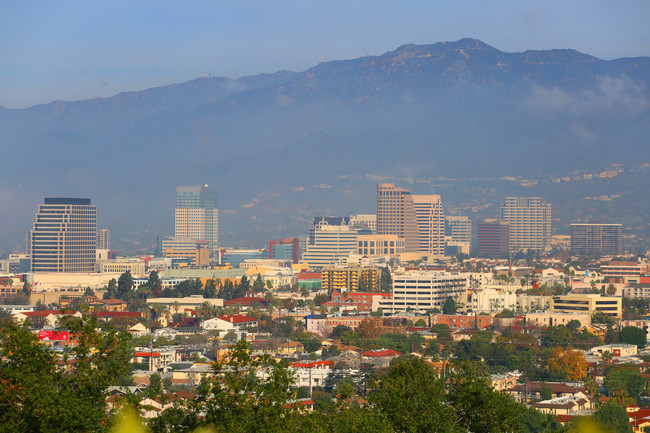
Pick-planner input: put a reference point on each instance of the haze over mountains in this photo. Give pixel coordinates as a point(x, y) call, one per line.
point(284, 147)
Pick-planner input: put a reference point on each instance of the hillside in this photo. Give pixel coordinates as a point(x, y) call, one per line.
point(452, 109)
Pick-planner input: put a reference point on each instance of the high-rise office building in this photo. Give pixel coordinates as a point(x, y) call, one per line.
point(321, 221)
point(530, 223)
point(396, 215)
point(430, 217)
point(196, 215)
point(103, 239)
point(332, 245)
point(458, 228)
point(603, 239)
point(493, 239)
point(64, 236)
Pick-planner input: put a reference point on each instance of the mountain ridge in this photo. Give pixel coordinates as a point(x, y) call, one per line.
point(449, 108)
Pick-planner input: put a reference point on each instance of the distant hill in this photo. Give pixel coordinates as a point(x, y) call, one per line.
point(452, 109)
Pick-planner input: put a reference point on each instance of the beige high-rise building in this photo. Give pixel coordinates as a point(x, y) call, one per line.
point(103, 239)
point(430, 217)
point(396, 215)
point(196, 215)
point(530, 223)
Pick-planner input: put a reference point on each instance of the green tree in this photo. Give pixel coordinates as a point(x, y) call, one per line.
point(258, 284)
point(27, 289)
point(237, 399)
point(111, 289)
point(626, 379)
point(210, 289)
point(573, 325)
point(450, 306)
point(557, 336)
point(612, 418)
point(37, 395)
point(478, 407)
point(155, 386)
point(634, 335)
point(124, 285)
point(533, 421)
point(411, 397)
point(385, 281)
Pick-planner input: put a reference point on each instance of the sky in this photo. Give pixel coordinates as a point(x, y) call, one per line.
point(79, 49)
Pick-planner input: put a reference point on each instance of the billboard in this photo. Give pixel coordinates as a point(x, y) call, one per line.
point(53, 335)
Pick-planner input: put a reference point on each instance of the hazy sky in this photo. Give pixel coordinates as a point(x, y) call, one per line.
point(77, 49)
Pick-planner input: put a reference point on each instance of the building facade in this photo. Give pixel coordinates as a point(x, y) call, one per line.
point(364, 221)
point(380, 245)
point(588, 303)
point(493, 239)
point(332, 245)
point(104, 239)
point(350, 279)
point(606, 239)
point(530, 223)
point(285, 249)
point(420, 291)
point(196, 214)
point(430, 218)
point(396, 215)
point(458, 228)
point(64, 236)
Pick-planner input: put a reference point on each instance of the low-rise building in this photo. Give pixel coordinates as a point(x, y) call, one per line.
point(549, 318)
point(532, 391)
point(588, 303)
point(136, 267)
point(351, 322)
point(617, 350)
point(461, 321)
point(355, 279)
point(492, 300)
point(311, 374)
point(357, 301)
point(155, 357)
point(421, 291)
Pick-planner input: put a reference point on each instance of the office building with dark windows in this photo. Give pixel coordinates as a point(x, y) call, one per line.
point(64, 236)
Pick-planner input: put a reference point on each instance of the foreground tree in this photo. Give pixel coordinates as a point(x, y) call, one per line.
point(612, 418)
point(36, 395)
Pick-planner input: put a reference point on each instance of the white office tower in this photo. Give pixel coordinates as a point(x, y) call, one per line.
point(64, 236)
point(430, 218)
point(103, 239)
point(332, 245)
point(530, 223)
point(196, 215)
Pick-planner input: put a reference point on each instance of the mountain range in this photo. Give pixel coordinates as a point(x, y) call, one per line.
point(287, 146)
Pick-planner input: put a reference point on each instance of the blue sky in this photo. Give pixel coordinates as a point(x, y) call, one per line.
point(77, 49)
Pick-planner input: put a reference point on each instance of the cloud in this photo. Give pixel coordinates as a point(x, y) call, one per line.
point(282, 100)
point(610, 96)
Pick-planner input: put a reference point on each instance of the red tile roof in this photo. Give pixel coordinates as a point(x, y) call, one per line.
point(45, 313)
point(311, 364)
point(378, 353)
point(246, 301)
point(101, 314)
point(238, 318)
